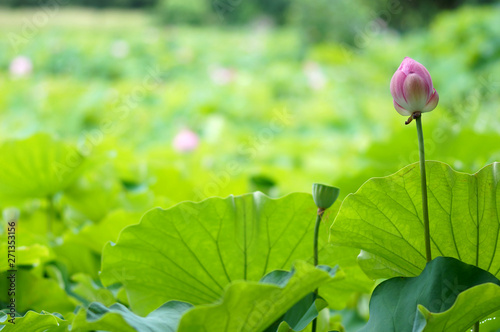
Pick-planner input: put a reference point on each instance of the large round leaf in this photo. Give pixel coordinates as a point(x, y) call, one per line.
point(471, 306)
point(36, 167)
point(384, 218)
point(193, 250)
point(449, 295)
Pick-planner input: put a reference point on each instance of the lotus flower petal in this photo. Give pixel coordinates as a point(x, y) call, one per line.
point(432, 102)
point(397, 82)
point(415, 92)
point(401, 110)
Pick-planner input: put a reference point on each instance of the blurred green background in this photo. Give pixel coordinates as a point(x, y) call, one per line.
point(175, 100)
point(224, 70)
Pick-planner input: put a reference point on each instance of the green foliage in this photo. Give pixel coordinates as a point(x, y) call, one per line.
point(91, 3)
point(460, 28)
point(211, 244)
point(38, 167)
point(195, 12)
point(210, 12)
point(35, 292)
point(450, 296)
point(95, 236)
point(119, 318)
point(90, 291)
point(355, 80)
point(298, 317)
point(491, 323)
point(475, 302)
point(26, 255)
point(384, 218)
point(252, 306)
point(272, 113)
point(326, 20)
point(34, 321)
point(419, 14)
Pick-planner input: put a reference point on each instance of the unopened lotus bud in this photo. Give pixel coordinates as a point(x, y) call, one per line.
point(324, 196)
point(412, 89)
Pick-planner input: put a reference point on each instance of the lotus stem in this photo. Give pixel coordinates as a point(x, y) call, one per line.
point(316, 235)
point(423, 181)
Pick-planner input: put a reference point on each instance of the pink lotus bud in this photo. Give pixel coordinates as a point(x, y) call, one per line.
point(185, 141)
point(20, 66)
point(222, 75)
point(412, 89)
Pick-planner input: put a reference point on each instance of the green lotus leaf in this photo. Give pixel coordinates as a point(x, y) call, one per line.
point(471, 306)
point(384, 218)
point(192, 251)
point(119, 318)
point(449, 294)
point(37, 167)
point(35, 292)
point(34, 321)
point(96, 235)
point(254, 306)
point(89, 291)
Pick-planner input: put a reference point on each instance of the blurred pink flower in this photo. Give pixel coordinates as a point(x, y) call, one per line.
point(412, 89)
point(315, 76)
point(186, 140)
point(20, 66)
point(222, 75)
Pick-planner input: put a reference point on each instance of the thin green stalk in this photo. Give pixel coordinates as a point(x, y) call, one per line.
point(423, 179)
point(316, 235)
point(476, 327)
